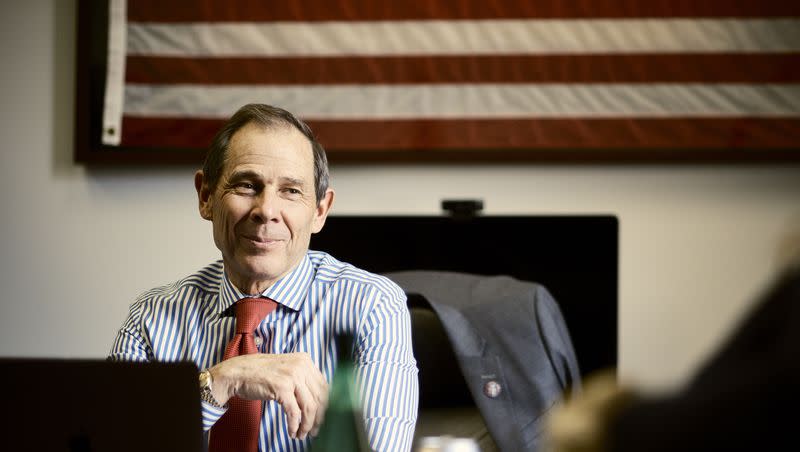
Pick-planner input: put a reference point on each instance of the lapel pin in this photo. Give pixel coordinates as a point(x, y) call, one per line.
point(492, 389)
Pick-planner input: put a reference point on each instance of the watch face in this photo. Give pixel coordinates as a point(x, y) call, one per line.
point(205, 378)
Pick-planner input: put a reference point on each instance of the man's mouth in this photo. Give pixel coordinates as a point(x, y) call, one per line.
point(260, 241)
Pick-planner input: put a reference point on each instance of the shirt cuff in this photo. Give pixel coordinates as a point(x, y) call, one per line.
point(210, 414)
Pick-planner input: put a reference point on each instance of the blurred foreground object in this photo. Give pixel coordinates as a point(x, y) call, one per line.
point(343, 428)
point(744, 398)
point(447, 443)
point(580, 424)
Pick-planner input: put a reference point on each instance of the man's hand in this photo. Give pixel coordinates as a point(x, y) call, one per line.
point(291, 379)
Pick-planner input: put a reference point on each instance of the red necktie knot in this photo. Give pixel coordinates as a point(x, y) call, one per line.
point(250, 312)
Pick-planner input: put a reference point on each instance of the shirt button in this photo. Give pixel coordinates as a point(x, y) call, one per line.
point(259, 341)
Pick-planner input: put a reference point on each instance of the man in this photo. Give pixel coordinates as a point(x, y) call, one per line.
point(264, 187)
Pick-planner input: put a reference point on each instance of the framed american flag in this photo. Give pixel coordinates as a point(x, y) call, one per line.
point(446, 80)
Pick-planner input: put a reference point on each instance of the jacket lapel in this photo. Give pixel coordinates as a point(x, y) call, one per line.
point(481, 367)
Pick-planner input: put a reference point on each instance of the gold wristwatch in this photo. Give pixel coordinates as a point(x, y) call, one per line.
point(205, 389)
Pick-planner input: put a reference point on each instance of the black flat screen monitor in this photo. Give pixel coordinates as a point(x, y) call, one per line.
point(81, 405)
point(575, 257)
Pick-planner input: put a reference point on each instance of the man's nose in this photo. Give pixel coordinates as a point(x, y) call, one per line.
point(265, 207)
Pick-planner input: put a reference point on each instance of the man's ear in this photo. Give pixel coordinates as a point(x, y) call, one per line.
point(203, 195)
point(321, 213)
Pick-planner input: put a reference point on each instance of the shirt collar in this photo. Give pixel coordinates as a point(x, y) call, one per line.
point(289, 291)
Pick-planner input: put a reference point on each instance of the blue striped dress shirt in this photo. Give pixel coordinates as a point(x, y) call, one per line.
point(189, 321)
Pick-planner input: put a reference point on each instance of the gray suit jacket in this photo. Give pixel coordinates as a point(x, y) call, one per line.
point(507, 331)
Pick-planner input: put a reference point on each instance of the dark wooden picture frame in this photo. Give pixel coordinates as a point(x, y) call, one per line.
point(92, 31)
point(92, 38)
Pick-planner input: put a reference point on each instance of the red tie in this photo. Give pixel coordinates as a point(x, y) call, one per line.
point(237, 429)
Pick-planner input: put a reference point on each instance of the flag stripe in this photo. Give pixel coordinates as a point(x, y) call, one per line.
point(481, 37)
point(353, 102)
point(641, 68)
point(565, 134)
point(358, 10)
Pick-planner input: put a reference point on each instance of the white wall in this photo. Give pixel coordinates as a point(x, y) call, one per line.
point(698, 243)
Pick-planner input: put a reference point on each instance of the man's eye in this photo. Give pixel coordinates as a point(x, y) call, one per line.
point(292, 191)
point(244, 187)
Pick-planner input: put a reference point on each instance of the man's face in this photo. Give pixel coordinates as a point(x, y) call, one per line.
point(264, 208)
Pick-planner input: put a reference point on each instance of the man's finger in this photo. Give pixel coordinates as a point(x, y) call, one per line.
point(309, 408)
point(321, 397)
point(293, 413)
point(322, 392)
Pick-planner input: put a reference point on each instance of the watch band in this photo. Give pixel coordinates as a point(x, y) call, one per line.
point(205, 389)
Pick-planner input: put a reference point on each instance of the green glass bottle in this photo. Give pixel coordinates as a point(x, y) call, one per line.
point(343, 428)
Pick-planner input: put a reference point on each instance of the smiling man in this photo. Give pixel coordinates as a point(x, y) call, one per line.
point(264, 187)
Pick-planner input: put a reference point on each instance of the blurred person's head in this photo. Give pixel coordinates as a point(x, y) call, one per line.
point(788, 252)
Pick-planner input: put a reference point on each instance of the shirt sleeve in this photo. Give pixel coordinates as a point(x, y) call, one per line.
point(132, 344)
point(386, 372)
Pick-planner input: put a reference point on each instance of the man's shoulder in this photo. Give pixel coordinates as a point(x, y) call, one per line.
point(332, 271)
point(202, 282)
